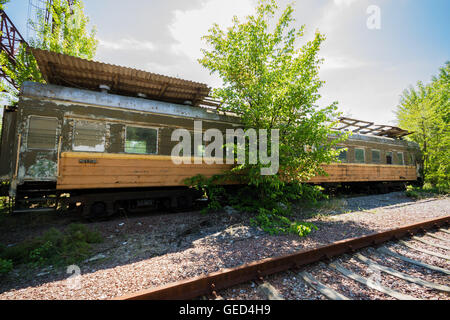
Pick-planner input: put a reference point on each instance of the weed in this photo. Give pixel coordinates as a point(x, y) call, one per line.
point(53, 247)
point(426, 191)
point(271, 202)
point(5, 266)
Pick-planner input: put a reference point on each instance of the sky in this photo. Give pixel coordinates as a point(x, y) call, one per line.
point(374, 49)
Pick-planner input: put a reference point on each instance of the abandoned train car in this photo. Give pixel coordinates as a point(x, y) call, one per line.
point(102, 134)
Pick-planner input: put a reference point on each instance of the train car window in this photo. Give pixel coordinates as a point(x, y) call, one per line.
point(376, 156)
point(401, 160)
point(360, 156)
point(42, 133)
point(201, 150)
point(411, 159)
point(343, 155)
point(141, 140)
point(89, 136)
point(389, 157)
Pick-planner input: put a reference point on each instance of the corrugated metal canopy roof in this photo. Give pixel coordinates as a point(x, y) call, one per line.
point(64, 70)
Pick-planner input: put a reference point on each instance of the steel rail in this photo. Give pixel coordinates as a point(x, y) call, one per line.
point(226, 278)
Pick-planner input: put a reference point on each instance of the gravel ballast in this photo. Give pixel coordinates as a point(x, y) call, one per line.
point(142, 252)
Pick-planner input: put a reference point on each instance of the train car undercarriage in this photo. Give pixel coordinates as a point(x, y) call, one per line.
point(104, 203)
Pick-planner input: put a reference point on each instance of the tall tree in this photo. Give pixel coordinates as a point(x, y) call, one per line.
point(66, 31)
point(271, 81)
point(425, 110)
point(2, 3)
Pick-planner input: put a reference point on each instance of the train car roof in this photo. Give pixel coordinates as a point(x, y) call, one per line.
point(65, 70)
point(69, 95)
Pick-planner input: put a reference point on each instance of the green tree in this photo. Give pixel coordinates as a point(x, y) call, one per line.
point(425, 110)
point(271, 82)
point(65, 32)
point(2, 4)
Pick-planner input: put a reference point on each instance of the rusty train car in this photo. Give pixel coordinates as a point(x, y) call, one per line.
point(98, 137)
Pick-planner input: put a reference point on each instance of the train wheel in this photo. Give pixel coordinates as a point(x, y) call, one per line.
point(382, 188)
point(184, 202)
point(98, 209)
point(166, 203)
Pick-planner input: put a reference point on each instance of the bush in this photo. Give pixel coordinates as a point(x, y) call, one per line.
point(426, 191)
point(5, 266)
point(54, 247)
point(274, 222)
point(411, 192)
point(212, 190)
point(271, 200)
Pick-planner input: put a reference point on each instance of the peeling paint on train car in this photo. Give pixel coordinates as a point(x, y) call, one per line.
point(8, 139)
point(42, 169)
point(114, 113)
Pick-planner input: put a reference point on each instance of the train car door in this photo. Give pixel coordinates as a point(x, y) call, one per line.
point(41, 142)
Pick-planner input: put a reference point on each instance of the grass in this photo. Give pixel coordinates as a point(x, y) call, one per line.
point(427, 191)
point(54, 247)
point(321, 209)
point(4, 205)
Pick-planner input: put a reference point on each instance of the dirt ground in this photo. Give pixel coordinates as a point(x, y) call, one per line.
point(143, 251)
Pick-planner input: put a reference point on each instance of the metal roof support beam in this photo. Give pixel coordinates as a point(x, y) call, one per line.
point(365, 127)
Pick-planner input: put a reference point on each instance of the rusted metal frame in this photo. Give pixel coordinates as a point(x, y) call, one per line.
point(354, 121)
point(208, 101)
point(10, 40)
point(406, 134)
point(48, 11)
point(359, 124)
point(362, 127)
point(384, 133)
point(393, 132)
point(344, 121)
point(398, 133)
point(350, 119)
point(7, 78)
point(371, 130)
point(11, 34)
point(365, 127)
point(204, 285)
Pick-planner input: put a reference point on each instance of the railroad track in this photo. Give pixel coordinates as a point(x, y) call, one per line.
point(407, 263)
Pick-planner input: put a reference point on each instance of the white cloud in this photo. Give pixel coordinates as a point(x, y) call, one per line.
point(127, 44)
point(361, 67)
point(342, 63)
point(189, 26)
point(344, 2)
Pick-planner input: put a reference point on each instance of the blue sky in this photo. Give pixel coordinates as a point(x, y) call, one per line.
point(365, 70)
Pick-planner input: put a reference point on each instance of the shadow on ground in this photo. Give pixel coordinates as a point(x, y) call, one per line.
point(229, 238)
